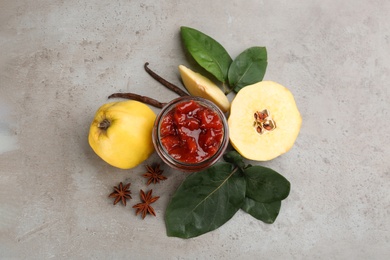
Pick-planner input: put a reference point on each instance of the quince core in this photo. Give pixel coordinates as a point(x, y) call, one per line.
point(264, 121)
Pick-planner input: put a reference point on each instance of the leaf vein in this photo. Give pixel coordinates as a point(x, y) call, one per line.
point(245, 72)
point(230, 175)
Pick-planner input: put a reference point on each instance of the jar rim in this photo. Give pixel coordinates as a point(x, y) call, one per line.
point(167, 158)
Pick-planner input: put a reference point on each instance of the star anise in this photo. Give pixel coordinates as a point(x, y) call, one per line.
point(121, 193)
point(144, 207)
point(154, 174)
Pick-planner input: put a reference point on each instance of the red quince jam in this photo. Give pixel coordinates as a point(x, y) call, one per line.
point(191, 132)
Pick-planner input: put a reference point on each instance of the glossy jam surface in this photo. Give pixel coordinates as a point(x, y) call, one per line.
point(191, 132)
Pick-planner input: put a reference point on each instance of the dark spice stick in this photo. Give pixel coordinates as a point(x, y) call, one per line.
point(143, 99)
point(167, 84)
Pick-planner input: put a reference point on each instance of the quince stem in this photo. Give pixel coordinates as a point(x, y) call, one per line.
point(105, 124)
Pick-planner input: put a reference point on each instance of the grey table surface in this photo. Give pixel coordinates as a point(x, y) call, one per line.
point(61, 59)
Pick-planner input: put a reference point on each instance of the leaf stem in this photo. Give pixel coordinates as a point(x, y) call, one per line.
point(164, 82)
point(143, 99)
point(226, 89)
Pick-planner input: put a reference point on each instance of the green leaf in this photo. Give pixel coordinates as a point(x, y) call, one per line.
point(265, 185)
point(266, 212)
point(207, 52)
point(205, 201)
point(235, 158)
point(248, 68)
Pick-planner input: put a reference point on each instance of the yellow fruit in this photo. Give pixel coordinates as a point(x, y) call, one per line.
point(264, 121)
point(200, 86)
point(121, 133)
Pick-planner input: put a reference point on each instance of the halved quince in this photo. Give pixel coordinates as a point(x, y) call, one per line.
point(200, 86)
point(264, 121)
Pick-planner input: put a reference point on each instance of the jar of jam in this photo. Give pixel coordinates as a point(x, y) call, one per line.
point(190, 133)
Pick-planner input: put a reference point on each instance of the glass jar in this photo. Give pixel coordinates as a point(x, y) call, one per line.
point(190, 133)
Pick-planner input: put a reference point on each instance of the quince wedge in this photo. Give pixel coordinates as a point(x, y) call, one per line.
point(264, 121)
point(200, 86)
point(121, 133)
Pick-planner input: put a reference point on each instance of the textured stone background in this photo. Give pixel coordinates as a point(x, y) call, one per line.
point(59, 60)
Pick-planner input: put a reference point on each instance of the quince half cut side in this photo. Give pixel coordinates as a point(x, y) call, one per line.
point(200, 86)
point(264, 121)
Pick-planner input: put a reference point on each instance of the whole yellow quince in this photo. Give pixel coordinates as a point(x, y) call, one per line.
point(121, 133)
